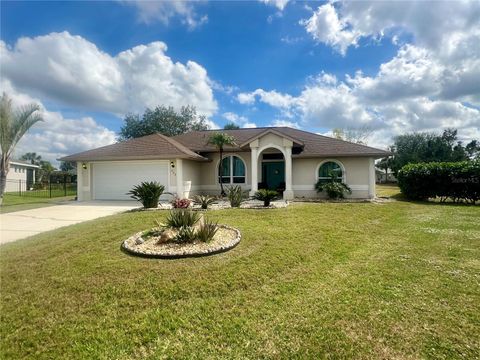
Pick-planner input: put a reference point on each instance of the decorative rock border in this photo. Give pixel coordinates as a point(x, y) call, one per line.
point(222, 205)
point(175, 251)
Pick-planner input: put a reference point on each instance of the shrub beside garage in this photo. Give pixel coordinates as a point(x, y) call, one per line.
point(458, 181)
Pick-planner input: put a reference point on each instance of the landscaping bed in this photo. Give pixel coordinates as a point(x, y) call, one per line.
point(225, 239)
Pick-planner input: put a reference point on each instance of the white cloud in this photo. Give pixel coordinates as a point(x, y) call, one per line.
point(285, 123)
point(325, 26)
point(241, 121)
point(433, 25)
point(72, 70)
point(279, 4)
point(162, 11)
point(272, 98)
point(432, 83)
point(57, 136)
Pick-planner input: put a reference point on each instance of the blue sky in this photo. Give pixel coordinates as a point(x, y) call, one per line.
point(313, 65)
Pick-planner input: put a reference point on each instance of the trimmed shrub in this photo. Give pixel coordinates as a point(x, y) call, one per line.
point(203, 200)
point(266, 196)
point(458, 181)
point(148, 193)
point(235, 195)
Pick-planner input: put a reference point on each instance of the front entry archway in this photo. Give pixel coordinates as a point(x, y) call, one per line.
point(272, 167)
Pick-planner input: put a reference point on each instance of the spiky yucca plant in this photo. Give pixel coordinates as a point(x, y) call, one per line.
point(204, 201)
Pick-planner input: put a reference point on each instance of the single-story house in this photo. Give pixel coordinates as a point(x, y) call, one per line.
point(21, 176)
point(382, 177)
point(281, 158)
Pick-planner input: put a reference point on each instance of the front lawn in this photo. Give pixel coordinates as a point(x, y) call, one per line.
point(337, 280)
point(14, 202)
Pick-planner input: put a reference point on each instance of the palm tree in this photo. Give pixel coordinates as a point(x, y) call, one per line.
point(32, 157)
point(220, 140)
point(13, 125)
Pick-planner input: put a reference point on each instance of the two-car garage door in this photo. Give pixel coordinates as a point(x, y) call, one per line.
point(112, 180)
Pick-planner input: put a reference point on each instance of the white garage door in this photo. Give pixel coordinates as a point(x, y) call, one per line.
point(112, 180)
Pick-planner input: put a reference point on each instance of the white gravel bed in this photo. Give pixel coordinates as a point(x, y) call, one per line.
point(225, 239)
point(223, 204)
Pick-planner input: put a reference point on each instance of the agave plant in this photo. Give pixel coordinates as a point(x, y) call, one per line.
point(185, 234)
point(266, 196)
point(178, 218)
point(148, 193)
point(203, 200)
point(207, 230)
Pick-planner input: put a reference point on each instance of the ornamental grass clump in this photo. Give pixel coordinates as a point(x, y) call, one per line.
point(148, 193)
point(266, 196)
point(203, 200)
point(235, 195)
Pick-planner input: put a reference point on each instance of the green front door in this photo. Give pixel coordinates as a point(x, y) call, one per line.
point(273, 174)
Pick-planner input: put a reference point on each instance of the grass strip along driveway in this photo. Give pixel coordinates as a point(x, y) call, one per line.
point(12, 203)
point(337, 280)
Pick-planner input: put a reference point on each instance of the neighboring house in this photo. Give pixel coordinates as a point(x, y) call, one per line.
point(281, 158)
point(21, 176)
point(382, 178)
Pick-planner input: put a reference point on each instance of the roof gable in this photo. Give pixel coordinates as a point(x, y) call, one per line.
point(155, 146)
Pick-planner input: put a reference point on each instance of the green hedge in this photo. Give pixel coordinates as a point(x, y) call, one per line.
point(459, 181)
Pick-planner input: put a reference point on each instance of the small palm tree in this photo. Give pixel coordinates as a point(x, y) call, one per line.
point(220, 140)
point(13, 125)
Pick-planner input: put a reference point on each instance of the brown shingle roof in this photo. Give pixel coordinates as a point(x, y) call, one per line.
point(154, 146)
point(313, 145)
point(185, 146)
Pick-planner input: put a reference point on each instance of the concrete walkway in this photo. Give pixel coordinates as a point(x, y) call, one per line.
point(21, 224)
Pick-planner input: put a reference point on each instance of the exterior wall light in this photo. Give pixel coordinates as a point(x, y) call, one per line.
point(84, 166)
point(172, 164)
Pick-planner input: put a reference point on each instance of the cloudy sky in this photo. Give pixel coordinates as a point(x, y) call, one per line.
point(393, 67)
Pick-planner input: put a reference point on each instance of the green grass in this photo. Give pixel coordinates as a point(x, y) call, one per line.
point(330, 280)
point(13, 202)
point(388, 190)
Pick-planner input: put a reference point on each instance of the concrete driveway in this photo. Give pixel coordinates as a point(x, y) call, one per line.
point(21, 224)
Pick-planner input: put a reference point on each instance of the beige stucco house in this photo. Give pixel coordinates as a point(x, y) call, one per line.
point(286, 159)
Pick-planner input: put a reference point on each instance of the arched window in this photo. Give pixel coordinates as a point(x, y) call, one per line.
point(233, 170)
point(329, 169)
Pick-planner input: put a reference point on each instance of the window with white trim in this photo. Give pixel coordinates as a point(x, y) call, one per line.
point(329, 168)
point(233, 169)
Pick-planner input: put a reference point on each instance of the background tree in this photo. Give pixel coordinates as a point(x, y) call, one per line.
point(220, 140)
point(31, 157)
point(356, 135)
point(13, 125)
point(427, 147)
point(164, 120)
point(385, 164)
point(46, 168)
point(68, 166)
point(473, 150)
point(231, 126)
